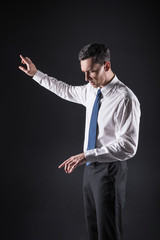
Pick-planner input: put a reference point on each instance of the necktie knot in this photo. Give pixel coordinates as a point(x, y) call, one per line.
point(99, 93)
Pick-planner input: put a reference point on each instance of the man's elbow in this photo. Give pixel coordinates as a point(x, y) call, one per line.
point(129, 149)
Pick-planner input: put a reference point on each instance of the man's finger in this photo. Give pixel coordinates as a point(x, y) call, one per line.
point(24, 60)
point(28, 59)
point(73, 166)
point(65, 163)
point(23, 69)
point(72, 169)
point(62, 165)
point(70, 165)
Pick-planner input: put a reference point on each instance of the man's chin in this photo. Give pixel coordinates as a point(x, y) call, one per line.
point(93, 84)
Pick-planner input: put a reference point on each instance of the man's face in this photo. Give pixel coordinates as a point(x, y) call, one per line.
point(94, 72)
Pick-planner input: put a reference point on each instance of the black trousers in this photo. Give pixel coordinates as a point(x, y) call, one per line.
point(104, 187)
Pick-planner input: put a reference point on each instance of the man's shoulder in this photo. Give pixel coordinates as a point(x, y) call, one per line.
point(124, 91)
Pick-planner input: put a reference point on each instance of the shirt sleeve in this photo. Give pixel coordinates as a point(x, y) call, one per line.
point(75, 94)
point(127, 119)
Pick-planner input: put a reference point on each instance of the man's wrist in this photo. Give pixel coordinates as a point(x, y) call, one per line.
point(38, 76)
point(34, 73)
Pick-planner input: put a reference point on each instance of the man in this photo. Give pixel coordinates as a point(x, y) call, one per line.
point(111, 137)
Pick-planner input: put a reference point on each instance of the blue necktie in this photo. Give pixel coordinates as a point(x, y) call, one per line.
point(93, 123)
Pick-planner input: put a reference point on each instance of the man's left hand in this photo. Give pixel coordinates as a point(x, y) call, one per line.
point(73, 162)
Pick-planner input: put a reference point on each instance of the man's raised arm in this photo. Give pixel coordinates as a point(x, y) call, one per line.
point(77, 94)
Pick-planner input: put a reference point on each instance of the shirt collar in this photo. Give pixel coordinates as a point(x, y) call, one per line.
point(109, 86)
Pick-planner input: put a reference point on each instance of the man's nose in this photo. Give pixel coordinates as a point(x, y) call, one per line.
point(87, 76)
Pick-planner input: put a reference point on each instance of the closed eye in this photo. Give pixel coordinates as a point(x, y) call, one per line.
point(91, 71)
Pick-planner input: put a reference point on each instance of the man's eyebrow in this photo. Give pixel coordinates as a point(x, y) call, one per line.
point(88, 70)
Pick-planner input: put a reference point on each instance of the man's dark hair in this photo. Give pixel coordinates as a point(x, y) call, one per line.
point(100, 53)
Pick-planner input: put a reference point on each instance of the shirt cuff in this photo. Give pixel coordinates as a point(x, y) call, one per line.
point(38, 76)
point(90, 155)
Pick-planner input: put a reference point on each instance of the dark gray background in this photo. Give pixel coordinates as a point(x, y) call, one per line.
point(40, 130)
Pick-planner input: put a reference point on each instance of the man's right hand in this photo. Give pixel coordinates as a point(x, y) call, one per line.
point(31, 68)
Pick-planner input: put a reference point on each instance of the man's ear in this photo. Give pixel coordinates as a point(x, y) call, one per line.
point(107, 65)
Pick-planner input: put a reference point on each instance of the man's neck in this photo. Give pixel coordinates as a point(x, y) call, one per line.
point(110, 75)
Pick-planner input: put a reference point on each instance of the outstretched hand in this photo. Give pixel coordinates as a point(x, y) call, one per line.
point(31, 68)
point(73, 162)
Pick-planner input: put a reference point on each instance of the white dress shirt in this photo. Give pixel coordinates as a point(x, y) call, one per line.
point(118, 117)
